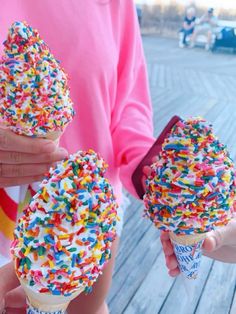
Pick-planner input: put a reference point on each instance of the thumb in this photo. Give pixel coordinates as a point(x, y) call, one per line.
point(147, 170)
point(220, 237)
point(16, 298)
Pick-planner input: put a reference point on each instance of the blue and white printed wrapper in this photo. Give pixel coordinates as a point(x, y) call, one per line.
point(42, 303)
point(188, 251)
point(33, 310)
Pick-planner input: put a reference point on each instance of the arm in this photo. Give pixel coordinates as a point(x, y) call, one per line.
point(203, 19)
point(193, 24)
point(213, 21)
point(131, 124)
point(186, 25)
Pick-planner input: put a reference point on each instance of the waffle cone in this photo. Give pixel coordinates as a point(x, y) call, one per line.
point(188, 251)
point(42, 303)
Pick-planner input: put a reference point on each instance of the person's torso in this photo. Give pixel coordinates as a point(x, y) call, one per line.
point(84, 36)
point(189, 21)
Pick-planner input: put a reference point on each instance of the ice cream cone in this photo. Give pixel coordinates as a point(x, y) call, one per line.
point(43, 303)
point(188, 251)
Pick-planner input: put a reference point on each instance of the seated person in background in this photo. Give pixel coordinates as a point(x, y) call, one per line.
point(188, 26)
point(207, 25)
point(139, 14)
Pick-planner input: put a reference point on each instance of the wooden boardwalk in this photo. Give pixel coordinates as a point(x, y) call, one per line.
point(188, 83)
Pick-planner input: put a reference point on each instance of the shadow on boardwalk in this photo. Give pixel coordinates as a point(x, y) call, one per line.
point(188, 83)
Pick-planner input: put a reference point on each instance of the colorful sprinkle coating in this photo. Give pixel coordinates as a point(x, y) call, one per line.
point(192, 185)
point(64, 237)
point(34, 93)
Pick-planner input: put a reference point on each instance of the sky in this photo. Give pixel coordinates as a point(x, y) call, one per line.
point(226, 4)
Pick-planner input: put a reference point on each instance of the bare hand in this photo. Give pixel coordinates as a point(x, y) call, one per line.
point(8, 282)
point(171, 261)
point(15, 301)
point(24, 160)
point(146, 173)
point(219, 245)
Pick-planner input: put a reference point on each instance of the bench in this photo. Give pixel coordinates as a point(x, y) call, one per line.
point(216, 38)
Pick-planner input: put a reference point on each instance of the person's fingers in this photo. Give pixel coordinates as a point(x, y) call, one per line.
point(8, 279)
point(16, 171)
point(167, 248)
point(6, 182)
point(144, 182)
point(171, 262)
point(147, 170)
point(209, 244)
point(164, 236)
point(174, 272)
point(15, 299)
point(15, 311)
point(24, 158)
point(10, 141)
point(220, 237)
point(154, 159)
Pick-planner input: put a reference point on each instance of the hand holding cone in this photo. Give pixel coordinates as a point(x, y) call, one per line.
point(64, 237)
point(191, 189)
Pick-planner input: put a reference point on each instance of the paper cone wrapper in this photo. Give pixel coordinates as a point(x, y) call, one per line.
point(45, 303)
point(188, 251)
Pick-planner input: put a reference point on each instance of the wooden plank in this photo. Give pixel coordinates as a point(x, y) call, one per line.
point(129, 240)
point(197, 86)
point(203, 77)
point(161, 76)
point(233, 306)
point(216, 111)
point(132, 209)
point(219, 290)
point(133, 271)
point(160, 97)
point(143, 300)
point(190, 292)
point(154, 75)
point(229, 82)
point(184, 82)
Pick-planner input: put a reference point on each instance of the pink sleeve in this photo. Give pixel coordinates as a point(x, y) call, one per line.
point(131, 124)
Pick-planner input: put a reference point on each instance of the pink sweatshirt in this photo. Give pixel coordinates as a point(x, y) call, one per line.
point(99, 45)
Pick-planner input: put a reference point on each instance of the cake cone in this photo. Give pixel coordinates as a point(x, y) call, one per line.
point(45, 303)
point(188, 251)
point(54, 136)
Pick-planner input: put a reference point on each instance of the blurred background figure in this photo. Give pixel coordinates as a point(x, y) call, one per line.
point(139, 14)
point(188, 27)
point(206, 25)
